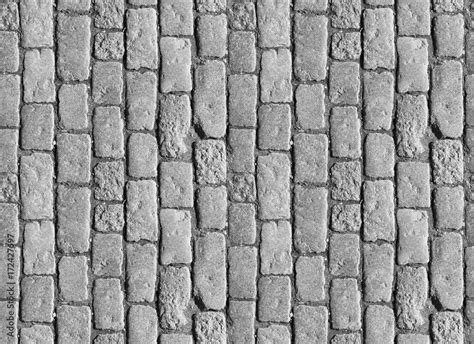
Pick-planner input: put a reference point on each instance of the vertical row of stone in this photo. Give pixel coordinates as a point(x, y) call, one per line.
point(414, 214)
point(210, 123)
point(310, 160)
point(242, 233)
point(9, 194)
point(108, 170)
point(447, 159)
point(274, 170)
point(142, 236)
point(37, 119)
point(345, 171)
point(73, 154)
point(176, 171)
point(468, 176)
point(379, 232)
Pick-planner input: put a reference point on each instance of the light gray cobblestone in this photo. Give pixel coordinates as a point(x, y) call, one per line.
point(210, 114)
point(310, 222)
point(141, 268)
point(311, 35)
point(74, 47)
point(378, 38)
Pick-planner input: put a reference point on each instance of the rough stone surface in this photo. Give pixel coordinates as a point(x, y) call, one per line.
point(141, 100)
point(412, 237)
point(346, 180)
point(74, 47)
point(413, 184)
point(310, 106)
point(413, 70)
point(108, 300)
point(73, 106)
point(174, 128)
point(273, 186)
point(275, 80)
point(210, 112)
point(73, 279)
point(345, 127)
point(378, 100)
point(175, 236)
point(378, 272)
point(242, 272)
point(447, 327)
point(379, 219)
point(446, 98)
point(310, 279)
point(275, 248)
point(411, 126)
point(36, 176)
point(379, 324)
point(345, 304)
point(175, 292)
point(142, 219)
point(142, 45)
point(447, 158)
point(73, 206)
point(413, 17)
point(274, 299)
point(141, 268)
point(411, 297)
point(38, 76)
point(379, 45)
point(311, 37)
point(236, 171)
point(447, 270)
point(210, 270)
point(38, 248)
point(310, 219)
point(344, 83)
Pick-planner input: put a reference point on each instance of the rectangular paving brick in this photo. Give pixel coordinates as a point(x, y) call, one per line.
point(447, 270)
point(210, 270)
point(310, 219)
point(273, 173)
point(379, 45)
point(273, 23)
point(141, 268)
point(74, 47)
point(210, 98)
point(275, 76)
point(142, 218)
point(176, 64)
point(36, 176)
point(311, 35)
point(73, 206)
point(141, 100)
point(9, 100)
point(174, 297)
point(446, 98)
point(142, 45)
point(379, 218)
point(411, 297)
point(242, 317)
point(37, 23)
point(413, 70)
point(74, 323)
point(38, 76)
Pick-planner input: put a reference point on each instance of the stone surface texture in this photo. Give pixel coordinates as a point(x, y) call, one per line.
point(236, 171)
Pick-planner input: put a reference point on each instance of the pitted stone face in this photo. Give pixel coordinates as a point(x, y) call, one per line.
point(236, 171)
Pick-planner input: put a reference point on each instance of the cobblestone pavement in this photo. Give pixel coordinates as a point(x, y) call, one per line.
point(213, 171)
